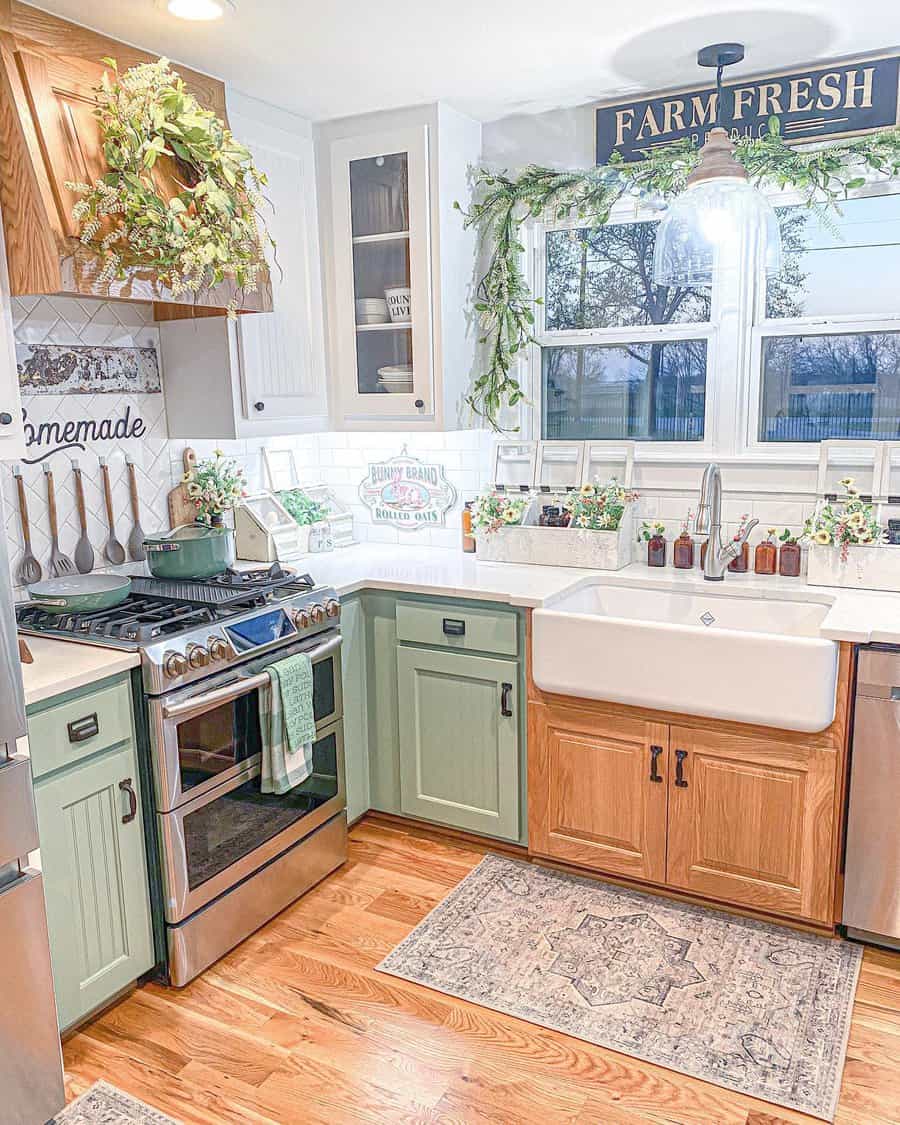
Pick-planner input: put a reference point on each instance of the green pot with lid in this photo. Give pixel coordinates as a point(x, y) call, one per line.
point(190, 551)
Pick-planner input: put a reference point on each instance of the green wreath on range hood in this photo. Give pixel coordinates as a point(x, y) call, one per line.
point(211, 230)
point(503, 203)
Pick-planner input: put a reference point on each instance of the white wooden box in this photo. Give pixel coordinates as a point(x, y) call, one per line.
point(866, 568)
point(559, 546)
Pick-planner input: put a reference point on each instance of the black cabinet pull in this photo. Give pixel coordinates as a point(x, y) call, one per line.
point(454, 628)
point(6, 418)
point(80, 730)
point(259, 406)
point(419, 404)
point(126, 786)
point(505, 693)
point(680, 755)
point(655, 752)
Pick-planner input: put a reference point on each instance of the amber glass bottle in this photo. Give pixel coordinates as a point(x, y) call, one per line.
point(740, 564)
point(656, 550)
point(683, 552)
point(468, 539)
point(765, 557)
point(789, 560)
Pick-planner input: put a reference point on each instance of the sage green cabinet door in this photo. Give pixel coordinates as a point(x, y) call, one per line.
point(95, 882)
point(356, 720)
point(459, 754)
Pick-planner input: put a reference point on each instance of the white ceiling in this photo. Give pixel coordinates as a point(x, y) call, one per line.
point(489, 58)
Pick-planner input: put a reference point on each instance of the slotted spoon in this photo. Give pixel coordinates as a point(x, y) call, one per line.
point(29, 569)
point(60, 564)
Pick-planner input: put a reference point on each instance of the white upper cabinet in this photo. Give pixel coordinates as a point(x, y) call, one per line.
point(265, 373)
point(398, 267)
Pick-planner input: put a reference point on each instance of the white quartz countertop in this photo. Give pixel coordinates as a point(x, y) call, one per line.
point(858, 616)
point(61, 666)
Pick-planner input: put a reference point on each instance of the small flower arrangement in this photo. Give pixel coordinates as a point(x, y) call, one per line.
point(215, 486)
point(653, 530)
point(742, 526)
point(850, 522)
point(787, 537)
point(597, 507)
point(492, 511)
point(686, 524)
point(301, 508)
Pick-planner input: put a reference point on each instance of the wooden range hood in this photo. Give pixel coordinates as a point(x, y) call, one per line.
point(48, 136)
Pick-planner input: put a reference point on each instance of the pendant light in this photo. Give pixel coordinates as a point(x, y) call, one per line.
point(720, 216)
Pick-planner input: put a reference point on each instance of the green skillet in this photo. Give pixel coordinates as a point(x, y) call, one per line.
point(80, 593)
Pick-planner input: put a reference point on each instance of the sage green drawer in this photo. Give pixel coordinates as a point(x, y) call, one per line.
point(65, 733)
point(449, 626)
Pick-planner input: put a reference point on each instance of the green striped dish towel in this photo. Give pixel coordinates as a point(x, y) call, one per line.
point(288, 724)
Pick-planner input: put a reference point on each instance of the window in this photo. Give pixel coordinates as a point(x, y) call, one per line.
point(620, 356)
point(758, 366)
point(826, 368)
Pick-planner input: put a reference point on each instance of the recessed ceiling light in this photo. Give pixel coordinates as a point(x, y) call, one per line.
point(199, 10)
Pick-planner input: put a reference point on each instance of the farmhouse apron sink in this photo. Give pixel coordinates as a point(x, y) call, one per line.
point(745, 659)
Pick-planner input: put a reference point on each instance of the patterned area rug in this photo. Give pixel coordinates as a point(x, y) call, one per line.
point(106, 1105)
point(754, 1007)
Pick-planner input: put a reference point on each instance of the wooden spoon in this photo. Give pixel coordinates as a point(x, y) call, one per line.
point(114, 551)
point(84, 552)
point(29, 569)
point(136, 538)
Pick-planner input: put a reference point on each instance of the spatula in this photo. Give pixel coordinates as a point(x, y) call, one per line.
point(136, 538)
point(84, 552)
point(29, 569)
point(114, 551)
point(60, 564)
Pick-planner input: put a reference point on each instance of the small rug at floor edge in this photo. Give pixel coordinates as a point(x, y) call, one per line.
point(104, 1104)
point(750, 1006)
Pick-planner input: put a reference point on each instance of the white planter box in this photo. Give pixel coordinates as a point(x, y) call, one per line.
point(866, 568)
point(560, 546)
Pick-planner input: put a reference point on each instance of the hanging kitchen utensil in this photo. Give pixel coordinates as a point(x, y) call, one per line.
point(190, 551)
point(80, 593)
point(84, 552)
point(29, 569)
point(181, 508)
point(136, 538)
point(114, 551)
point(60, 564)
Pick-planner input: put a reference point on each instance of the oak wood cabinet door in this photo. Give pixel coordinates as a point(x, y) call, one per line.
point(751, 821)
point(597, 791)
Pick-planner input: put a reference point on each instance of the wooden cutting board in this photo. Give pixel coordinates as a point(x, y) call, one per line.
point(181, 507)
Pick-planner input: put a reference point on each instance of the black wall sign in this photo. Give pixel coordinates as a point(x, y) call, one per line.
point(853, 96)
point(47, 438)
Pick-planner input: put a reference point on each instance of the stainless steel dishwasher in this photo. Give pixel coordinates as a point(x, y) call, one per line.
point(872, 872)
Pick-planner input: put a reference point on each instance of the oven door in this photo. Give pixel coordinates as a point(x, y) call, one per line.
point(209, 733)
point(218, 839)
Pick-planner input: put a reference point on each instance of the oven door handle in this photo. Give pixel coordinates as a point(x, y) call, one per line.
point(237, 688)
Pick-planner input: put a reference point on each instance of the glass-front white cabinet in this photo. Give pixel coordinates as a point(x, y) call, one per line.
point(382, 267)
point(399, 277)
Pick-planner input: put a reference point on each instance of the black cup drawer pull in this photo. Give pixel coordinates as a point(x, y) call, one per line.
point(80, 730)
point(655, 752)
point(680, 755)
point(127, 786)
point(454, 628)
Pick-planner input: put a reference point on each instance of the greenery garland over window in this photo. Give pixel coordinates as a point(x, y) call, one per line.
point(503, 204)
point(211, 229)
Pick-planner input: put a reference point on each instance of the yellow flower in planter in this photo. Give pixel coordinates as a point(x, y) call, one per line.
point(823, 538)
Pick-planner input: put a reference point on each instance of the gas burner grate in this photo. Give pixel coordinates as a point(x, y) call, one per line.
point(138, 619)
point(234, 587)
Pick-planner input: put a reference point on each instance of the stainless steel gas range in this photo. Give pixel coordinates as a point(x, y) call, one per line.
point(231, 857)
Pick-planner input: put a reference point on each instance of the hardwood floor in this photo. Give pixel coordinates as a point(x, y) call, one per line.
point(296, 1026)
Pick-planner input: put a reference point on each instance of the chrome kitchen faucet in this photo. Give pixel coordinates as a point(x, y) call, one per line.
point(709, 523)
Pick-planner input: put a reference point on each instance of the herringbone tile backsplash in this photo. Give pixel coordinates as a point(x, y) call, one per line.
point(66, 320)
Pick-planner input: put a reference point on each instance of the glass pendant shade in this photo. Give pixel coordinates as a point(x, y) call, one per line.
point(718, 223)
